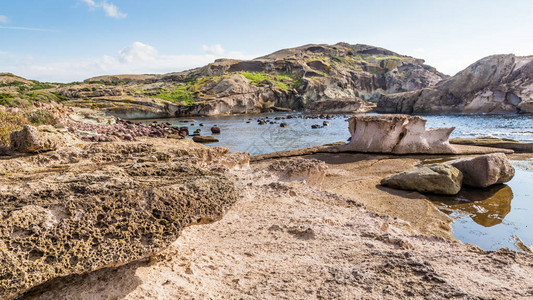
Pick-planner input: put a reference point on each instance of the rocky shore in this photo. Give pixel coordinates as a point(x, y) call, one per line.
point(91, 214)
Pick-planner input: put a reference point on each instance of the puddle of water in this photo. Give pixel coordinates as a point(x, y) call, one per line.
point(491, 217)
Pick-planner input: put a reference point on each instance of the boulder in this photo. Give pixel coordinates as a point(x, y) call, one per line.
point(484, 170)
point(215, 130)
point(399, 134)
point(435, 178)
point(205, 139)
point(115, 203)
point(33, 139)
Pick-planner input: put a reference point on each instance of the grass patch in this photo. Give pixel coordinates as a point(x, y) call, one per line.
point(181, 94)
point(280, 81)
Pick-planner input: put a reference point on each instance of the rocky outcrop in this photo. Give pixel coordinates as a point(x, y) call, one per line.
point(435, 178)
point(43, 138)
point(399, 134)
point(80, 209)
point(495, 84)
point(485, 170)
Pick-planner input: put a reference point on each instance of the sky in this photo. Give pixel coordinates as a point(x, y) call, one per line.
point(72, 40)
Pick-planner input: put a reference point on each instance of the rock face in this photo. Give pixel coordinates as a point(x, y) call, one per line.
point(435, 178)
point(399, 134)
point(106, 205)
point(335, 106)
point(485, 170)
point(495, 84)
point(39, 139)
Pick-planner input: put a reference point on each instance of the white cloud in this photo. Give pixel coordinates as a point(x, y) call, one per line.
point(137, 58)
point(110, 9)
point(4, 19)
point(213, 49)
point(137, 52)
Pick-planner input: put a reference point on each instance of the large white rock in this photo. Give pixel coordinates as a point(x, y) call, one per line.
point(399, 134)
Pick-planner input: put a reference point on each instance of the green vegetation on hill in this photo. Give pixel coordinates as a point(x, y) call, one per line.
point(189, 90)
point(283, 82)
point(182, 94)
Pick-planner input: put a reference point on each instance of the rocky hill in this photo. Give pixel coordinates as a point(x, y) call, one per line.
point(287, 79)
point(495, 84)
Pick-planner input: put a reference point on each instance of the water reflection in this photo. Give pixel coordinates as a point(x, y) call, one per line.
point(487, 207)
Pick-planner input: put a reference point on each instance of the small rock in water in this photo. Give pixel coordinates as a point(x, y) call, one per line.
point(215, 130)
point(316, 126)
point(283, 124)
point(325, 123)
point(201, 124)
point(205, 139)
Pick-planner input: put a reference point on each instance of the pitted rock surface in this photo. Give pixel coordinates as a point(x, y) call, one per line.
point(81, 209)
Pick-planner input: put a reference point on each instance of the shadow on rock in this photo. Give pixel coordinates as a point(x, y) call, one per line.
point(122, 280)
point(487, 207)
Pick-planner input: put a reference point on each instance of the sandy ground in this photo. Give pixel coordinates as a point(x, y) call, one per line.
point(287, 240)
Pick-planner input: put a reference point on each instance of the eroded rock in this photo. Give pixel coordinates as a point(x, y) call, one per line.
point(399, 134)
point(484, 170)
point(80, 209)
point(434, 178)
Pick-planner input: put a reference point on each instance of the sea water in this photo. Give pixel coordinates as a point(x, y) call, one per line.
point(488, 218)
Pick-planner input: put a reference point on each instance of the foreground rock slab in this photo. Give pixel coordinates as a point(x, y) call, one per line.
point(81, 209)
point(399, 134)
point(485, 170)
point(288, 240)
point(434, 178)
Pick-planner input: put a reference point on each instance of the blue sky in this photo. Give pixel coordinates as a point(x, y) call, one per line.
point(68, 40)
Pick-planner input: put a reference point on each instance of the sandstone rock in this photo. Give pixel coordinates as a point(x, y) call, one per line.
point(399, 134)
point(484, 170)
point(312, 171)
point(42, 138)
point(114, 203)
point(434, 178)
point(205, 139)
